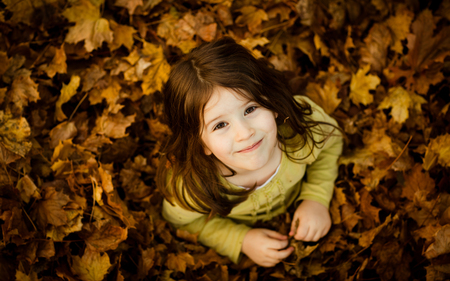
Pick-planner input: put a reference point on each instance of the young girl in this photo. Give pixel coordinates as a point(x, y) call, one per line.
point(243, 149)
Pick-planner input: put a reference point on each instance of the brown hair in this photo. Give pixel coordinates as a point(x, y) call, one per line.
point(186, 173)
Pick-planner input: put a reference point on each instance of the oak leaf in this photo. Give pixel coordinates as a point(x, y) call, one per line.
point(92, 266)
point(441, 244)
point(14, 134)
point(401, 101)
point(361, 84)
point(252, 17)
point(89, 26)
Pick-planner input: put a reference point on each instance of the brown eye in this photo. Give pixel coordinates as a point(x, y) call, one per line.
point(220, 126)
point(250, 110)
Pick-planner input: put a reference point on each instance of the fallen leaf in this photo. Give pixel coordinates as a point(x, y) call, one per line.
point(252, 17)
point(401, 101)
point(58, 63)
point(50, 209)
point(417, 184)
point(105, 238)
point(130, 5)
point(361, 84)
point(326, 96)
point(440, 148)
point(113, 125)
point(374, 51)
point(441, 245)
point(64, 131)
point(179, 262)
point(89, 26)
point(14, 134)
point(92, 266)
point(123, 35)
point(27, 189)
point(23, 90)
point(367, 237)
point(400, 27)
point(67, 92)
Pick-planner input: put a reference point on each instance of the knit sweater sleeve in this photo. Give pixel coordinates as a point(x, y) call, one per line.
point(219, 233)
point(321, 173)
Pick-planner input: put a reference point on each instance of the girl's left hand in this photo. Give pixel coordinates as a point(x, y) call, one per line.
point(314, 221)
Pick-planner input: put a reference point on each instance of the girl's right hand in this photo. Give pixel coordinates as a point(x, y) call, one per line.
point(265, 246)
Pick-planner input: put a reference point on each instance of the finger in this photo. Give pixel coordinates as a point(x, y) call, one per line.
point(295, 222)
point(276, 244)
point(282, 254)
point(302, 232)
point(276, 235)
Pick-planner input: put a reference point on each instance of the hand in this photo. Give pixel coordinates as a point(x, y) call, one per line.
point(314, 221)
point(265, 246)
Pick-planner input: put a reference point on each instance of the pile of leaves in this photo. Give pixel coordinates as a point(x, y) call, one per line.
point(81, 128)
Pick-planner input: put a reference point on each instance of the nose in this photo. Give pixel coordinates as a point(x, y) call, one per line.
point(243, 130)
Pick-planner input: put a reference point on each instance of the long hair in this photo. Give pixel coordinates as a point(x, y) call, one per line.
point(185, 173)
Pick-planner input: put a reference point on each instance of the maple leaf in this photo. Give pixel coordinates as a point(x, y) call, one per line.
point(252, 42)
point(401, 101)
point(123, 35)
point(92, 266)
point(441, 244)
point(252, 17)
point(438, 150)
point(113, 126)
point(107, 237)
point(14, 134)
point(361, 84)
point(180, 261)
point(89, 26)
point(326, 96)
point(130, 5)
point(74, 216)
point(58, 63)
point(374, 51)
point(111, 94)
point(158, 73)
point(49, 210)
point(400, 27)
point(23, 90)
point(417, 184)
point(67, 92)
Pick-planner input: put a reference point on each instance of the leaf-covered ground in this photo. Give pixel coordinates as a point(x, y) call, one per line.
point(81, 129)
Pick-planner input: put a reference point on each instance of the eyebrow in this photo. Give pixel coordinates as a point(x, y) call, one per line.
point(220, 116)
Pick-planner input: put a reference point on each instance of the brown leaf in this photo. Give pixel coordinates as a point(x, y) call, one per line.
point(20, 276)
point(146, 262)
point(252, 17)
point(64, 131)
point(23, 90)
point(49, 210)
point(14, 134)
point(123, 35)
point(130, 5)
point(186, 235)
point(108, 237)
point(179, 261)
point(92, 266)
point(113, 126)
point(370, 213)
point(441, 244)
point(417, 184)
point(367, 237)
point(58, 63)
point(27, 189)
point(374, 51)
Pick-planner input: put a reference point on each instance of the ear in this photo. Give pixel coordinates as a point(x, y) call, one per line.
point(276, 115)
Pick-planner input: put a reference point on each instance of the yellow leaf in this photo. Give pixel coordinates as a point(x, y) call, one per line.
point(123, 35)
point(361, 84)
point(20, 276)
point(67, 92)
point(92, 266)
point(320, 45)
point(23, 89)
point(130, 5)
point(113, 126)
point(89, 26)
point(401, 101)
point(27, 189)
point(180, 261)
point(58, 63)
point(440, 146)
point(399, 25)
point(252, 17)
point(326, 96)
point(14, 134)
point(106, 177)
point(252, 42)
point(158, 73)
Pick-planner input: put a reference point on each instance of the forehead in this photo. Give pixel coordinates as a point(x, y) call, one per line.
point(224, 96)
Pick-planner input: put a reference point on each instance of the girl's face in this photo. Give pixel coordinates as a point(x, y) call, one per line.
point(239, 132)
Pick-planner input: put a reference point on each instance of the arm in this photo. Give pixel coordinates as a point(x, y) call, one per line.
point(229, 238)
point(317, 188)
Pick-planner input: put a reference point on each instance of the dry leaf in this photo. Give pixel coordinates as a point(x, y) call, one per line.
point(14, 134)
point(360, 85)
point(67, 92)
point(92, 266)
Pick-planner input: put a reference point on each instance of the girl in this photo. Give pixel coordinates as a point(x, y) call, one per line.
point(240, 147)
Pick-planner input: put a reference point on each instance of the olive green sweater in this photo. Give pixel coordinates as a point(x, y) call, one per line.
point(288, 185)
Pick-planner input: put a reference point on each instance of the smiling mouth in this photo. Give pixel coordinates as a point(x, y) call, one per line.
point(251, 148)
